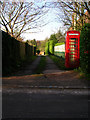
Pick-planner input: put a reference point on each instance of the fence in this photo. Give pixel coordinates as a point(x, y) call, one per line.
point(14, 51)
point(60, 50)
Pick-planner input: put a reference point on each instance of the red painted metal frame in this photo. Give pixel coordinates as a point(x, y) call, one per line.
point(71, 36)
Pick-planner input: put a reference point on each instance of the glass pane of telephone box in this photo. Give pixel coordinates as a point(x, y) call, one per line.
point(72, 45)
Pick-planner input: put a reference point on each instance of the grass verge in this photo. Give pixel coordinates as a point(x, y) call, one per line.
point(59, 61)
point(41, 65)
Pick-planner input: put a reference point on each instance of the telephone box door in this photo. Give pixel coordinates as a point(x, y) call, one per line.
point(72, 49)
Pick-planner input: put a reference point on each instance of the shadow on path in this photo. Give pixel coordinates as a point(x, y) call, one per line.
point(52, 77)
point(29, 69)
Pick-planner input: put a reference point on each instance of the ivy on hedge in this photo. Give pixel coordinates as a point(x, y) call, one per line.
point(85, 48)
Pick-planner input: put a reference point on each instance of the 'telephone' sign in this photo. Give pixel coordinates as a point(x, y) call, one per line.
point(73, 34)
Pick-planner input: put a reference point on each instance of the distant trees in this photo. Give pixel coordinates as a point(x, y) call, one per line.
point(38, 51)
point(60, 36)
point(54, 39)
point(19, 17)
point(33, 42)
point(41, 45)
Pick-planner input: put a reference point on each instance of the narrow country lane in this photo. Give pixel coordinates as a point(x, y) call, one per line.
point(53, 94)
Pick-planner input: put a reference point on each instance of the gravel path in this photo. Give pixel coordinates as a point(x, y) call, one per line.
point(52, 77)
point(51, 67)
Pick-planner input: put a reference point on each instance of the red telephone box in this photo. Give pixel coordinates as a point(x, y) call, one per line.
point(72, 54)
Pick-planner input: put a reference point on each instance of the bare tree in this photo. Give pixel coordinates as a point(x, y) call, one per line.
point(19, 17)
point(73, 13)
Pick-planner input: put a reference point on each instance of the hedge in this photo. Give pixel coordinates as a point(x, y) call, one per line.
point(51, 47)
point(47, 48)
point(85, 48)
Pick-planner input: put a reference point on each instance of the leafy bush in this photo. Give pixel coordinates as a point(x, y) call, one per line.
point(85, 48)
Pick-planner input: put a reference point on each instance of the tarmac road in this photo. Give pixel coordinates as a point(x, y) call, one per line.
point(53, 94)
point(45, 103)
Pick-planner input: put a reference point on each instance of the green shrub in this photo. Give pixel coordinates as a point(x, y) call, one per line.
point(85, 48)
point(51, 47)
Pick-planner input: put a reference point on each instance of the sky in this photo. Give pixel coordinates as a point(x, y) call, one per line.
point(44, 32)
point(52, 26)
